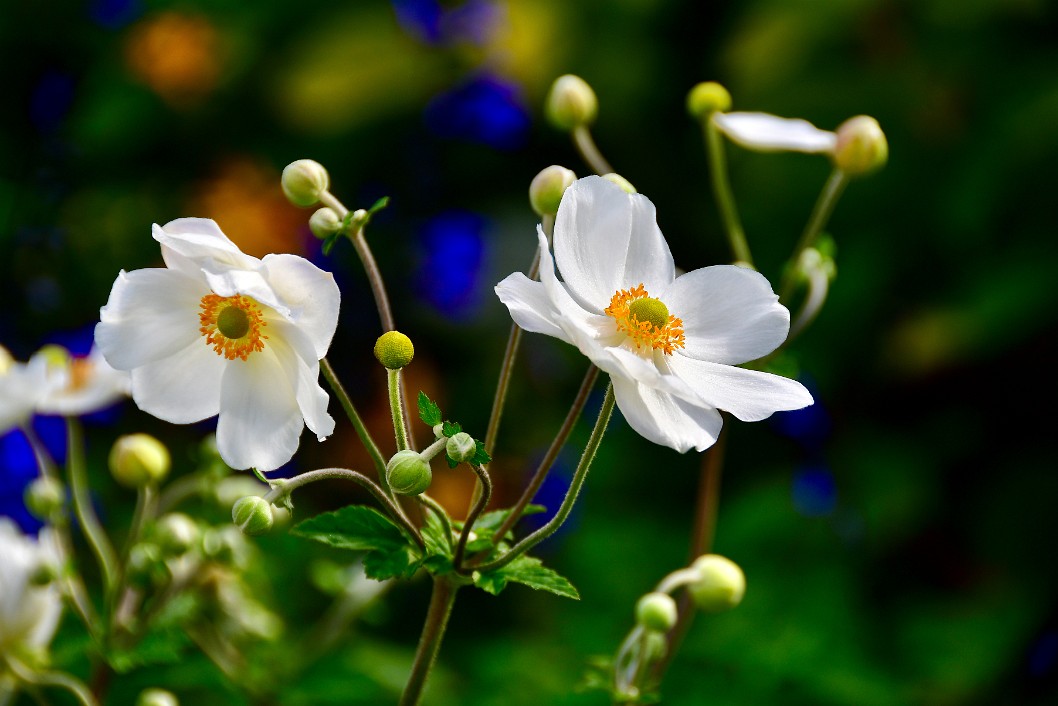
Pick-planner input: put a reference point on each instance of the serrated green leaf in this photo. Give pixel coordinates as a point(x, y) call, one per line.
point(529, 571)
point(481, 456)
point(450, 429)
point(400, 562)
point(356, 527)
point(429, 412)
point(328, 244)
point(452, 463)
point(378, 205)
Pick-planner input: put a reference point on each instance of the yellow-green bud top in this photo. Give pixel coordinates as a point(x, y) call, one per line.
point(157, 697)
point(44, 498)
point(304, 181)
point(408, 473)
point(656, 611)
point(720, 584)
point(571, 103)
point(324, 223)
point(394, 350)
point(461, 447)
point(861, 147)
point(707, 98)
point(176, 533)
point(625, 185)
point(547, 187)
point(253, 515)
point(139, 460)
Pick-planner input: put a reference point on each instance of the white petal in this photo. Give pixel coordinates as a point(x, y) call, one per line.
point(667, 420)
point(310, 294)
point(770, 133)
point(295, 353)
point(95, 387)
point(260, 422)
point(183, 388)
point(228, 282)
point(20, 389)
point(606, 240)
point(750, 395)
point(151, 314)
point(199, 240)
point(730, 315)
point(530, 305)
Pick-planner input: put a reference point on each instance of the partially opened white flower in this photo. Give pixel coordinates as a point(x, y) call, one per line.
point(769, 133)
point(220, 332)
point(669, 343)
point(80, 384)
point(22, 385)
point(29, 611)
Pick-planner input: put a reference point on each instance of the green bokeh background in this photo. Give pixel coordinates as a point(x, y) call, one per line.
point(934, 579)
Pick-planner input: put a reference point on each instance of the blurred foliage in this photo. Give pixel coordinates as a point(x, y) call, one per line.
point(925, 574)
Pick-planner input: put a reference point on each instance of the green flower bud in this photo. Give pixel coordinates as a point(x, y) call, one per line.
point(44, 498)
point(408, 473)
point(43, 574)
point(304, 181)
point(461, 447)
point(157, 697)
point(707, 98)
point(176, 533)
point(253, 515)
point(547, 187)
point(571, 103)
point(139, 460)
point(620, 181)
point(655, 646)
point(394, 350)
point(227, 545)
point(324, 223)
point(146, 566)
point(861, 147)
point(720, 584)
point(656, 611)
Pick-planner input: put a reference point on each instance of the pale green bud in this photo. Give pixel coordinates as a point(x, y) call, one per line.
point(139, 460)
point(707, 98)
point(44, 498)
point(253, 515)
point(720, 584)
point(157, 697)
point(625, 185)
point(547, 187)
point(655, 646)
point(461, 447)
point(43, 574)
point(146, 566)
point(176, 533)
point(861, 147)
point(304, 181)
point(226, 545)
point(394, 350)
point(408, 473)
point(571, 103)
point(324, 223)
point(656, 611)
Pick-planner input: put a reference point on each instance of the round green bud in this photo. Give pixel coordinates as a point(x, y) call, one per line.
point(304, 181)
point(571, 103)
point(547, 187)
point(176, 533)
point(861, 147)
point(43, 574)
point(625, 185)
point(394, 350)
point(656, 611)
point(157, 697)
point(408, 473)
point(324, 223)
point(44, 498)
point(139, 460)
point(253, 515)
point(461, 447)
point(655, 646)
point(720, 584)
point(146, 566)
point(707, 98)
point(226, 545)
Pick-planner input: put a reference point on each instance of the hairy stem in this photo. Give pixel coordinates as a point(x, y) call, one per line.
point(479, 506)
point(725, 200)
point(358, 423)
point(396, 408)
point(82, 505)
point(589, 152)
point(828, 199)
point(441, 601)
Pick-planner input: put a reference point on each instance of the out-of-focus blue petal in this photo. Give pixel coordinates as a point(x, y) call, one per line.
point(473, 21)
point(814, 492)
point(1043, 657)
point(450, 274)
point(551, 494)
point(51, 100)
point(113, 14)
point(18, 467)
point(809, 426)
point(420, 18)
point(484, 109)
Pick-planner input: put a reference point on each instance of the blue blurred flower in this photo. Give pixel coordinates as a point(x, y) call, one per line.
point(814, 492)
point(427, 21)
point(113, 14)
point(484, 109)
point(51, 100)
point(809, 426)
point(18, 468)
point(1044, 654)
point(450, 273)
point(551, 494)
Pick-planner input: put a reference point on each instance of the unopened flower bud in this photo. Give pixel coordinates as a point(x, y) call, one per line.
point(138, 460)
point(655, 646)
point(707, 98)
point(394, 350)
point(176, 533)
point(547, 187)
point(324, 223)
point(43, 574)
point(861, 146)
point(720, 584)
point(157, 697)
point(656, 611)
point(226, 545)
point(625, 185)
point(304, 181)
point(408, 473)
point(146, 566)
point(571, 103)
point(253, 515)
point(44, 498)
point(461, 447)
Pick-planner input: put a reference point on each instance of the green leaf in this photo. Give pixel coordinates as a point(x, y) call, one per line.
point(400, 562)
point(378, 205)
point(429, 412)
point(450, 429)
point(354, 527)
point(158, 647)
point(328, 244)
point(529, 571)
point(438, 554)
point(481, 456)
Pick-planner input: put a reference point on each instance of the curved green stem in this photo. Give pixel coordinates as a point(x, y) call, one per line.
point(442, 516)
point(82, 505)
point(589, 152)
point(358, 423)
point(725, 200)
point(396, 408)
point(60, 680)
point(441, 601)
point(828, 199)
point(479, 506)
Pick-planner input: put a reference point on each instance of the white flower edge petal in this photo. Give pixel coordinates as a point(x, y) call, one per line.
point(21, 387)
point(606, 240)
point(29, 615)
point(183, 388)
point(296, 355)
point(102, 387)
point(769, 133)
point(227, 282)
point(665, 419)
point(530, 306)
point(309, 293)
point(750, 395)
point(730, 314)
point(199, 240)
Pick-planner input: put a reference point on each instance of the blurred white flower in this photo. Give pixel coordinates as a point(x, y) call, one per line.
point(80, 384)
point(669, 343)
point(21, 386)
point(220, 332)
point(29, 609)
point(769, 133)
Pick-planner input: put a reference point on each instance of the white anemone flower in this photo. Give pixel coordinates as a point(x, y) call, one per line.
point(29, 612)
point(762, 132)
point(80, 384)
point(220, 332)
point(669, 343)
point(21, 387)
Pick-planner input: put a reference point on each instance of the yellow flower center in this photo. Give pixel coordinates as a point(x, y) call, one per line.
point(232, 325)
point(645, 320)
